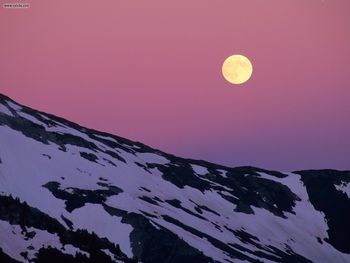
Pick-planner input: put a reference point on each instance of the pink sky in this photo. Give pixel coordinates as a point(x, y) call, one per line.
point(151, 71)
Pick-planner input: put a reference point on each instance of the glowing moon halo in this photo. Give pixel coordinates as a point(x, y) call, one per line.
point(237, 69)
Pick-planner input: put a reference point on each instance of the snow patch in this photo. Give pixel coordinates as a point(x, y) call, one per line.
point(31, 118)
point(97, 220)
point(344, 187)
point(14, 106)
point(200, 170)
point(152, 158)
point(5, 110)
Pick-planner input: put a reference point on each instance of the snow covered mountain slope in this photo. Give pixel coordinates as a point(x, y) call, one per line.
point(72, 194)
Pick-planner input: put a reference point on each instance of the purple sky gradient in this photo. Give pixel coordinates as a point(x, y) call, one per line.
point(151, 71)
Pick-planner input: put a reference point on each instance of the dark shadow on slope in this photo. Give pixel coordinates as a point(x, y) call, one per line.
point(153, 244)
point(320, 186)
point(236, 251)
point(76, 198)
point(4, 258)
point(18, 213)
point(246, 186)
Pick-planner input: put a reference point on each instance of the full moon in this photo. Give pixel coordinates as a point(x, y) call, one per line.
point(237, 69)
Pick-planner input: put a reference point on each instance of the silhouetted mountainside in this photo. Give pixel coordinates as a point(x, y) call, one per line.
point(73, 194)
